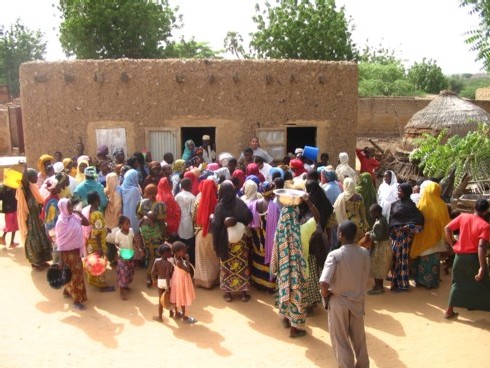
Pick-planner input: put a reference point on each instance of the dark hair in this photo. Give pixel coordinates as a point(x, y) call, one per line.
point(132, 161)
point(279, 183)
point(288, 175)
point(248, 150)
point(481, 205)
point(259, 160)
point(177, 246)
point(348, 230)
point(375, 208)
point(235, 181)
point(121, 219)
point(140, 157)
point(186, 184)
point(233, 160)
point(313, 175)
point(92, 197)
point(286, 160)
point(173, 237)
point(168, 156)
point(325, 156)
point(162, 249)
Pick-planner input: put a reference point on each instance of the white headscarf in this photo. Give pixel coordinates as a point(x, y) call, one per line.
point(343, 169)
point(339, 205)
point(387, 194)
point(250, 193)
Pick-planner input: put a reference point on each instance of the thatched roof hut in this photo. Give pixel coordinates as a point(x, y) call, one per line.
point(446, 111)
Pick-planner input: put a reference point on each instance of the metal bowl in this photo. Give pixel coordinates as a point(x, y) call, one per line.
point(289, 197)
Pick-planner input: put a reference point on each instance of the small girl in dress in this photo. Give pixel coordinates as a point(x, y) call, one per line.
point(182, 291)
point(381, 252)
point(161, 274)
point(125, 266)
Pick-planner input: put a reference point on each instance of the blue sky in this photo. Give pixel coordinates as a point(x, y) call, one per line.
point(414, 29)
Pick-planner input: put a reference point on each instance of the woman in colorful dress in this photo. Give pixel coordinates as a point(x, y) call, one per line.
point(189, 149)
point(289, 267)
point(173, 209)
point(234, 267)
point(69, 236)
point(350, 206)
point(96, 237)
point(154, 176)
point(151, 214)
point(207, 262)
point(43, 162)
point(32, 233)
point(428, 244)
point(50, 212)
point(405, 221)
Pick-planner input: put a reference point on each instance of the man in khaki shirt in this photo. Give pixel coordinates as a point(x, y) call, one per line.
point(344, 282)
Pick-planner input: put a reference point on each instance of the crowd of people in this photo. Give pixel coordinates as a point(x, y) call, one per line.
point(206, 220)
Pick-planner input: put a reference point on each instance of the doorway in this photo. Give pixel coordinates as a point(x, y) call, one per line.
point(300, 137)
point(196, 135)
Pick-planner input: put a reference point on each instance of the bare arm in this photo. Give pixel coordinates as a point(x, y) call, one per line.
point(482, 254)
point(168, 274)
point(324, 289)
point(448, 233)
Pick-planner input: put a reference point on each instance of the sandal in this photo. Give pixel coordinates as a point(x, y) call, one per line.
point(298, 333)
point(451, 316)
point(227, 297)
point(177, 315)
point(245, 298)
point(79, 306)
point(189, 320)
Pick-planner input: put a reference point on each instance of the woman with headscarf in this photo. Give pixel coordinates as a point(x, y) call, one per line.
point(276, 172)
point(289, 267)
point(253, 169)
point(154, 176)
point(366, 189)
point(189, 148)
point(350, 206)
point(428, 244)
point(405, 221)
point(320, 200)
point(114, 204)
point(388, 193)
point(32, 234)
point(173, 210)
point(131, 195)
point(207, 262)
point(343, 169)
point(152, 214)
point(81, 166)
point(95, 234)
point(90, 184)
point(234, 267)
point(297, 167)
point(240, 176)
point(69, 236)
point(49, 213)
point(330, 186)
point(258, 205)
point(178, 168)
point(70, 168)
point(43, 162)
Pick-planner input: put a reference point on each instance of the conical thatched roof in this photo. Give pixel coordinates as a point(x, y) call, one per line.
point(446, 111)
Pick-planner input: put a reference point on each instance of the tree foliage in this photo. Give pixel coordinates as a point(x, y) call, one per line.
point(18, 45)
point(390, 79)
point(93, 29)
point(427, 76)
point(190, 49)
point(472, 84)
point(302, 29)
point(479, 38)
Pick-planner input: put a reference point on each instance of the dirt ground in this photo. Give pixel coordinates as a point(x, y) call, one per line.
point(38, 327)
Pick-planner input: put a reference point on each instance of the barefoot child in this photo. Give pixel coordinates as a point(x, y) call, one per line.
point(182, 291)
point(381, 253)
point(9, 208)
point(125, 265)
point(161, 274)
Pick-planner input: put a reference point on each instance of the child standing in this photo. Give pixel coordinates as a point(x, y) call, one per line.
point(161, 274)
point(9, 208)
point(381, 252)
point(125, 266)
point(182, 291)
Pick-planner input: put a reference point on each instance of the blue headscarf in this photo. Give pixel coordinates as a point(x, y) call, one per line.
point(187, 155)
point(274, 170)
point(254, 179)
point(330, 175)
point(130, 180)
point(131, 195)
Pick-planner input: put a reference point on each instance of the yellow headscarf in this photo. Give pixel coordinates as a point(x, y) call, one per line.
point(42, 160)
point(80, 174)
point(436, 217)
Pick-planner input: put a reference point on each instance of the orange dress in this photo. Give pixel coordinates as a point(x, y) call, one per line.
point(182, 292)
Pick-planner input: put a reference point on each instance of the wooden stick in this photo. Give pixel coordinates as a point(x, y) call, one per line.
point(376, 146)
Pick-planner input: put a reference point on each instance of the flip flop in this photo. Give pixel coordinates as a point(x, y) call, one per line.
point(189, 320)
point(299, 333)
point(451, 316)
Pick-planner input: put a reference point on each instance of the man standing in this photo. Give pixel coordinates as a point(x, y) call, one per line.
point(208, 153)
point(186, 201)
point(257, 151)
point(343, 284)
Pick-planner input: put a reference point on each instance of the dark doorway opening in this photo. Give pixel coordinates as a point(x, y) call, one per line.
point(196, 135)
point(300, 137)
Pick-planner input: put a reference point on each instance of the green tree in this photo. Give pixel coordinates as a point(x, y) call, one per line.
point(472, 84)
point(94, 29)
point(427, 76)
point(233, 43)
point(479, 38)
point(302, 29)
point(18, 45)
point(390, 79)
point(190, 49)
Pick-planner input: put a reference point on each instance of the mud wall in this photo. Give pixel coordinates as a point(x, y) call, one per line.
point(62, 101)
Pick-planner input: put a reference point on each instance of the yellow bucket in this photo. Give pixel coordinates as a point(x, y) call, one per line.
point(12, 178)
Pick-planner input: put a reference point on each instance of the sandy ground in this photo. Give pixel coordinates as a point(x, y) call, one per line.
point(38, 327)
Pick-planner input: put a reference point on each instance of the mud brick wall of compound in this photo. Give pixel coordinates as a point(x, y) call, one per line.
point(62, 101)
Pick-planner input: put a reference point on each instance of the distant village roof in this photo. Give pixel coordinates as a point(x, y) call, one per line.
point(446, 111)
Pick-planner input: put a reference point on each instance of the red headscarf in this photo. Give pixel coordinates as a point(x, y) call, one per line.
point(195, 184)
point(207, 203)
point(240, 176)
point(173, 210)
point(253, 169)
point(297, 167)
